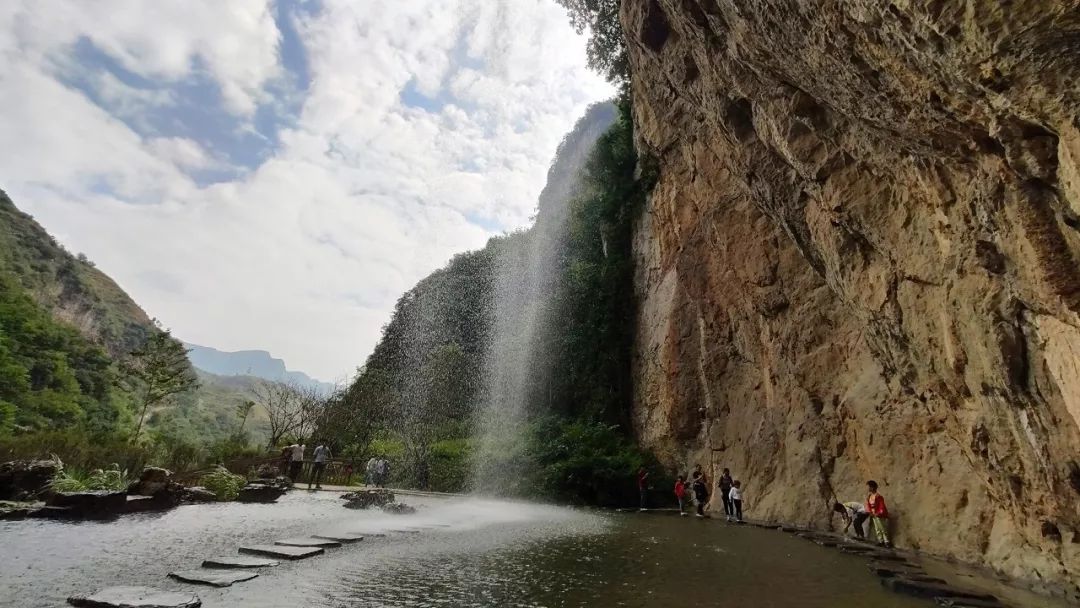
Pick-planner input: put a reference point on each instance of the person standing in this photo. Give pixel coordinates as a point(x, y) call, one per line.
point(725, 484)
point(735, 496)
point(321, 455)
point(383, 471)
point(296, 462)
point(681, 494)
point(369, 472)
point(643, 487)
point(701, 492)
point(879, 514)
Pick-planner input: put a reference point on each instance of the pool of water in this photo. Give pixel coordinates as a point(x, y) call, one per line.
point(476, 553)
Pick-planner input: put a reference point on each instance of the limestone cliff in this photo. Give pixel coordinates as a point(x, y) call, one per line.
point(860, 261)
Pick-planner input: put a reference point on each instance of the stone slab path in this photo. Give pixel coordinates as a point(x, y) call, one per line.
point(215, 578)
point(308, 542)
point(346, 537)
point(238, 561)
point(136, 597)
point(281, 551)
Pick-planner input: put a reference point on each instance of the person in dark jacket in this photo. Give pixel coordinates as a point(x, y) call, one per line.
point(701, 492)
point(725, 484)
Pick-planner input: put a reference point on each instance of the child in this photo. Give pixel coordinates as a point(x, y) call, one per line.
point(879, 514)
point(701, 492)
point(680, 494)
point(735, 495)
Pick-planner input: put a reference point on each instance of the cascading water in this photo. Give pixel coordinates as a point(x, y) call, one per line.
point(527, 270)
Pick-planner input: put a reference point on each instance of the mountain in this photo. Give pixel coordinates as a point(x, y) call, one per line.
point(69, 287)
point(861, 262)
point(255, 363)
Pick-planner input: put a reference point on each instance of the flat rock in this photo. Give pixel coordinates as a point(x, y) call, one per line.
point(369, 533)
point(308, 542)
point(215, 578)
point(344, 537)
point(136, 597)
point(281, 551)
point(239, 561)
point(932, 590)
point(405, 531)
point(952, 602)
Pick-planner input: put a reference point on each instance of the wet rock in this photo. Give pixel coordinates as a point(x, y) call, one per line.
point(92, 504)
point(344, 537)
point(932, 590)
point(197, 494)
point(23, 479)
point(281, 551)
point(17, 510)
point(950, 602)
point(261, 492)
point(240, 561)
point(214, 578)
point(151, 481)
point(308, 542)
point(398, 508)
point(364, 499)
point(138, 504)
point(136, 597)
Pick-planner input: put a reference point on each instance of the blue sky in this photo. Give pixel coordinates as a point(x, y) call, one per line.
point(273, 174)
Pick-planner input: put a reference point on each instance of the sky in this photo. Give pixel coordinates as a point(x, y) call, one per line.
point(274, 174)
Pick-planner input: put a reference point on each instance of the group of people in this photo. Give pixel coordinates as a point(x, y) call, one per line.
point(731, 493)
point(855, 513)
point(378, 471)
point(294, 456)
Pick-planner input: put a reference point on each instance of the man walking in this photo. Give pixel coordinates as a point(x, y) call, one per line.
point(296, 461)
point(321, 455)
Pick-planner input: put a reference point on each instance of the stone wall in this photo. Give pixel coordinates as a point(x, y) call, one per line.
point(860, 262)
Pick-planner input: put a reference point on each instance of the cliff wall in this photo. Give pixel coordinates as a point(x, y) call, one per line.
point(860, 262)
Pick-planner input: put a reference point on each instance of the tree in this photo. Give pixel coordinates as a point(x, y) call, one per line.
point(281, 401)
point(243, 409)
point(606, 48)
point(161, 369)
point(428, 409)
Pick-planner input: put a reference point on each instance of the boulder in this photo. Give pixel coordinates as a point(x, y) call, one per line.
point(364, 499)
point(90, 504)
point(136, 597)
point(197, 494)
point(152, 481)
point(23, 479)
point(261, 492)
point(398, 508)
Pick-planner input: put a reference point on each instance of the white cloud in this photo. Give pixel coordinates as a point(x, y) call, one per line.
point(306, 254)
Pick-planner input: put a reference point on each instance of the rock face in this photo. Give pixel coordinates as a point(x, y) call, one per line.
point(860, 261)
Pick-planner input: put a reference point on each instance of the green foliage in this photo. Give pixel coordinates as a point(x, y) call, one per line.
point(606, 48)
point(78, 448)
point(160, 369)
point(582, 462)
point(73, 480)
point(224, 485)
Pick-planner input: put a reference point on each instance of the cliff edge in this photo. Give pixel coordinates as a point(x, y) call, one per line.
point(860, 261)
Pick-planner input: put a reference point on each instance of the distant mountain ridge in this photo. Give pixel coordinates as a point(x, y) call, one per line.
point(256, 363)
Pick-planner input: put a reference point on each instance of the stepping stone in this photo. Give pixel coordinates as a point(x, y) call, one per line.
point(345, 537)
point(215, 578)
point(369, 533)
point(239, 561)
point(136, 597)
point(951, 602)
point(308, 542)
point(281, 551)
point(403, 531)
point(932, 590)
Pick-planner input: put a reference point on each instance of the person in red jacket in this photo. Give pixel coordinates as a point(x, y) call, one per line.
point(879, 514)
point(680, 494)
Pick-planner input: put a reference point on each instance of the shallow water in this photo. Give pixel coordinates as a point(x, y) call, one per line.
point(483, 553)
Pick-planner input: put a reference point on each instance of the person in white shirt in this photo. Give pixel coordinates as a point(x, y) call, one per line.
point(370, 478)
point(735, 495)
point(296, 461)
point(321, 455)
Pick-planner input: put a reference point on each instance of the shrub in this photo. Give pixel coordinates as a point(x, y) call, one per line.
point(224, 485)
point(73, 480)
